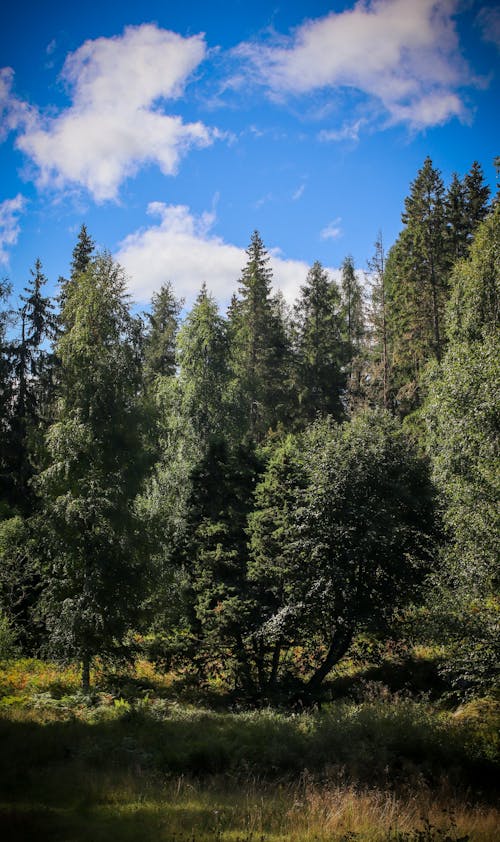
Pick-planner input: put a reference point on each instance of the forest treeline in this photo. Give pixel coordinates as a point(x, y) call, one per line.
point(246, 494)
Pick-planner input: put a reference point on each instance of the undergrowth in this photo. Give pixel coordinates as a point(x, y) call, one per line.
point(133, 762)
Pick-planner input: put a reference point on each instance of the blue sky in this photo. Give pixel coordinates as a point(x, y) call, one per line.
point(173, 130)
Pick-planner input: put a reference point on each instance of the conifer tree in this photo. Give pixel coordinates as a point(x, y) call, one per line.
point(6, 387)
point(417, 274)
point(457, 224)
point(82, 252)
point(378, 385)
point(353, 329)
point(257, 352)
point(203, 359)
point(216, 558)
point(462, 410)
point(80, 260)
point(95, 464)
point(161, 338)
point(33, 395)
point(477, 195)
point(319, 380)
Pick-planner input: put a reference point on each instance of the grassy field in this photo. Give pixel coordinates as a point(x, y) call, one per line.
point(139, 761)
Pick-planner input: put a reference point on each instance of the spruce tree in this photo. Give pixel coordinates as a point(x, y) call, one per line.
point(159, 353)
point(34, 377)
point(378, 365)
point(462, 410)
point(353, 329)
point(80, 260)
point(257, 340)
point(417, 274)
point(318, 351)
point(82, 252)
point(204, 374)
point(6, 390)
point(477, 195)
point(457, 224)
point(95, 463)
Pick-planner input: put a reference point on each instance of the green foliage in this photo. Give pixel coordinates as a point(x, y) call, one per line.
point(354, 543)
point(204, 372)
point(377, 384)
point(417, 283)
point(20, 578)
point(159, 353)
point(462, 420)
point(8, 639)
point(318, 349)
point(95, 573)
point(259, 346)
point(33, 392)
point(215, 556)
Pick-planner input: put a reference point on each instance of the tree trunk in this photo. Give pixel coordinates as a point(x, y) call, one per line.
point(274, 665)
point(338, 647)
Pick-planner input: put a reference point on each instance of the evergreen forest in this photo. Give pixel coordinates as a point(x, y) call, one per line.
point(257, 550)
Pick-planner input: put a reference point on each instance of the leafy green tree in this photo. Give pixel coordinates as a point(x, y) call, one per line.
point(96, 573)
point(319, 379)
point(350, 545)
point(20, 581)
point(462, 420)
point(271, 566)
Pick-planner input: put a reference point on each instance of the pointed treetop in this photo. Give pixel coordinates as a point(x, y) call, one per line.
point(82, 252)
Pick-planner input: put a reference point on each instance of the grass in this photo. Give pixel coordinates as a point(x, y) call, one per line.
point(143, 765)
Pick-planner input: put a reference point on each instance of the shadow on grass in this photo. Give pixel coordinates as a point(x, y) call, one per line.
point(137, 824)
point(379, 744)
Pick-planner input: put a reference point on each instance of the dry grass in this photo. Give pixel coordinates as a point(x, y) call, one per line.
point(147, 768)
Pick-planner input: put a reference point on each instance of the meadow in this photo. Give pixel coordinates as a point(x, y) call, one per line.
point(146, 757)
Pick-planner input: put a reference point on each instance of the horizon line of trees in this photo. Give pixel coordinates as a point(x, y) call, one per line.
point(250, 493)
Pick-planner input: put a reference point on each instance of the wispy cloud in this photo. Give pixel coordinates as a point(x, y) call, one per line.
point(10, 210)
point(117, 119)
point(348, 132)
point(332, 231)
point(183, 249)
point(298, 193)
point(488, 21)
point(402, 53)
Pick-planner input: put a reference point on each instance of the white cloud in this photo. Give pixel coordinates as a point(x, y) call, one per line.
point(182, 249)
point(488, 20)
point(115, 122)
point(332, 231)
point(349, 131)
point(298, 193)
point(402, 53)
point(10, 209)
point(13, 112)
